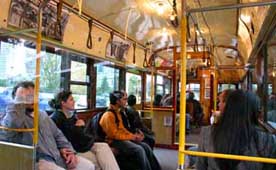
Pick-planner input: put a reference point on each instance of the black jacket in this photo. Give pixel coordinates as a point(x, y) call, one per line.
point(81, 141)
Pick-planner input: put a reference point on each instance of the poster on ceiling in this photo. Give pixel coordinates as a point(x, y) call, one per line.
point(117, 48)
point(23, 15)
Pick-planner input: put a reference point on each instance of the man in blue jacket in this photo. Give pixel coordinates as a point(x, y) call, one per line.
point(54, 152)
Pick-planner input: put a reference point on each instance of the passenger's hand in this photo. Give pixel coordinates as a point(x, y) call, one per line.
point(139, 137)
point(80, 122)
point(65, 152)
point(24, 96)
point(216, 113)
point(70, 157)
point(71, 161)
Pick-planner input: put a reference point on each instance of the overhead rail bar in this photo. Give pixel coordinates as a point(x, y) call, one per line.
point(232, 6)
point(229, 156)
point(159, 109)
point(17, 32)
point(100, 24)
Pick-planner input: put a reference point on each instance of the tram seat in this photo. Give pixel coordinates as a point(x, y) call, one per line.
point(15, 156)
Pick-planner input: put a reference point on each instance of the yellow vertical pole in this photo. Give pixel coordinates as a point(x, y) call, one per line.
point(152, 90)
point(37, 76)
point(215, 87)
point(182, 128)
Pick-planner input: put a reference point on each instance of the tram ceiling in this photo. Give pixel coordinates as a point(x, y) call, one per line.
point(149, 21)
point(228, 35)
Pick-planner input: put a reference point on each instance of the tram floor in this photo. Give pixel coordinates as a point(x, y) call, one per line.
point(167, 158)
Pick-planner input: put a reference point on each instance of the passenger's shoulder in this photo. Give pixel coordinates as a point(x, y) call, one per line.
point(108, 114)
point(44, 116)
point(266, 139)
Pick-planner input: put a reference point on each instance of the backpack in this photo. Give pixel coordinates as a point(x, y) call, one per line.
point(94, 128)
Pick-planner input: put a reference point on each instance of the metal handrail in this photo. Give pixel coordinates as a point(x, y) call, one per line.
point(229, 156)
point(17, 129)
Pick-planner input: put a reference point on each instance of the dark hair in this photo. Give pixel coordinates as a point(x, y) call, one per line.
point(62, 96)
point(157, 100)
point(235, 130)
point(131, 100)
point(225, 94)
point(24, 84)
point(191, 95)
point(115, 95)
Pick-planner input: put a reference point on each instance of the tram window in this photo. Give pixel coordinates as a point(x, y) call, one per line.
point(107, 81)
point(134, 85)
point(78, 81)
point(167, 84)
point(159, 79)
point(163, 85)
point(78, 71)
point(80, 96)
point(159, 89)
point(269, 88)
point(24, 69)
point(195, 88)
point(50, 78)
point(148, 87)
point(254, 87)
point(159, 85)
point(222, 87)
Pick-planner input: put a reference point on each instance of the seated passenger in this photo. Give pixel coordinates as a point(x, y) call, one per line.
point(194, 108)
point(237, 133)
point(136, 123)
point(127, 143)
point(157, 100)
point(73, 128)
point(54, 152)
point(222, 98)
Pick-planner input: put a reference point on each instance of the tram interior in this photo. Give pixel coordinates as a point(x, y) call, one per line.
point(93, 47)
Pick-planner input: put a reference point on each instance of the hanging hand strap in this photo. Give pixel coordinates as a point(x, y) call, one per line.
point(134, 55)
point(89, 38)
point(111, 41)
point(145, 62)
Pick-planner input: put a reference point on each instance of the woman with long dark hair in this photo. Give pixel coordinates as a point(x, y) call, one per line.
point(237, 133)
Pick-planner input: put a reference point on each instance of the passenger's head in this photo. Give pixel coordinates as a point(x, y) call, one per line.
point(157, 100)
point(118, 98)
point(191, 95)
point(131, 100)
point(241, 108)
point(23, 92)
point(26, 85)
point(222, 99)
point(63, 100)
